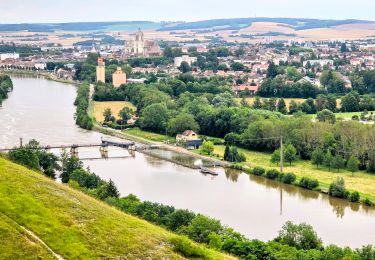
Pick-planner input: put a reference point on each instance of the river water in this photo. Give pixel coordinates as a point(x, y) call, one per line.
point(252, 205)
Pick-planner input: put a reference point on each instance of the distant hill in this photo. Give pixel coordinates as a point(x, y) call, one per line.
point(81, 26)
point(239, 23)
point(215, 24)
point(43, 219)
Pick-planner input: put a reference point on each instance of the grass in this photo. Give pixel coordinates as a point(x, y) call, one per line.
point(362, 182)
point(99, 107)
point(74, 225)
point(149, 136)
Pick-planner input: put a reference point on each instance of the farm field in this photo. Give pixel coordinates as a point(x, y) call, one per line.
point(98, 108)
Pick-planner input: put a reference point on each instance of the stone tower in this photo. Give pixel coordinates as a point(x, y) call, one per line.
point(118, 78)
point(100, 70)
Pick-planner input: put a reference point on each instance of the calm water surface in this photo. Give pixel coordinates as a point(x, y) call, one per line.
point(252, 205)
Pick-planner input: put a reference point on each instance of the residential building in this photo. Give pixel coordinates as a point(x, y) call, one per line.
point(184, 58)
point(6, 56)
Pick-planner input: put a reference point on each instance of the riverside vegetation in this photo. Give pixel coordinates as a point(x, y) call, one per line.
point(295, 241)
point(6, 86)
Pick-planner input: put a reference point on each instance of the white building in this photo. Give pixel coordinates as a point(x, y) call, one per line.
point(5, 56)
point(320, 63)
point(186, 58)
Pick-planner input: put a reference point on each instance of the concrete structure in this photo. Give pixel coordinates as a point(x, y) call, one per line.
point(186, 58)
point(100, 70)
point(6, 56)
point(118, 77)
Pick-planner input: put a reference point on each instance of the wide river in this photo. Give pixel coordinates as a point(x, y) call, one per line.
point(254, 206)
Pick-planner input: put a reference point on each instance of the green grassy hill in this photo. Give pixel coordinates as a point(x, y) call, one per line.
point(40, 217)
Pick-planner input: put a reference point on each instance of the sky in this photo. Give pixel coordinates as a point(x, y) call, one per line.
point(20, 11)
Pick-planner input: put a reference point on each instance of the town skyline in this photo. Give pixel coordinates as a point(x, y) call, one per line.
point(42, 11)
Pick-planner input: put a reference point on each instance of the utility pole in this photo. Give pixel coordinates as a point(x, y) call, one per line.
point(281, 155)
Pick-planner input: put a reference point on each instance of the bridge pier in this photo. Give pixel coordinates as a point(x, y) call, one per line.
point(74, 151)
point(104, 151)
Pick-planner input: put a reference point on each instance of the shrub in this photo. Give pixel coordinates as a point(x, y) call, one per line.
point(272, 174)
point(308, 183)
point(337, 188)
point(188, 249)
point(259, 171)
point(367, 202)
point(354, 197)
point(288, 178)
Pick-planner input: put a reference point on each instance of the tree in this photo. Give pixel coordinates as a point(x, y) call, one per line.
point(154, 117)
point(290, 154)
point(69, 165)
point(257, 103)
point(350, 102)
point(317, 157)
point(293, 107)
point(182, 122)
point(281, 106)
point(338, 162)
point(337, 188)
point(301, 236)
point(227, 152)
point(208, 147)
point(201, 227)
point(328, 160)
point(353, 164)
point(125, 114)
point(275, 158)
point(184, 67)
point(272, 70)
point(343, 48)
point(326, 116)
point(107, 115)
point(108, 190)
point(237, 66)
point(371, 162)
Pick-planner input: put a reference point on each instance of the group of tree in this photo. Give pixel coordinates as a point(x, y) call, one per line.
point(33, 156)
point(6, 86)
point(82, 104)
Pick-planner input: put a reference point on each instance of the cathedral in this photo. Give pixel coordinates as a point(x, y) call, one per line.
point(140, 47)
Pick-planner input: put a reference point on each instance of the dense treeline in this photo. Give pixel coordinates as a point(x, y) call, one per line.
point(6, 86)
point(82, 105)
point(344, 139)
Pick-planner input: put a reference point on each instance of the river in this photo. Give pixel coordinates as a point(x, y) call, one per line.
point(254, 206)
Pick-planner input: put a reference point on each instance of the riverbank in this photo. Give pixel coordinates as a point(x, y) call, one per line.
point(46, 75)
point(362, 182)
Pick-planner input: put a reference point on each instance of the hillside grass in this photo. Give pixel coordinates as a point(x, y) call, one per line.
point(98, 108)
point(73, 224)
point(362, 182)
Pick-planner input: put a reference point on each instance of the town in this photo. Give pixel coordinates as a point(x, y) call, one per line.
point(152, 130)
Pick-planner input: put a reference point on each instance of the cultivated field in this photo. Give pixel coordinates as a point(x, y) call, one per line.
point(98, 108)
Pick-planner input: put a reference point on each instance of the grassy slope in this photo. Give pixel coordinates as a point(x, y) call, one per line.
point(71, 223)
point(361, 182)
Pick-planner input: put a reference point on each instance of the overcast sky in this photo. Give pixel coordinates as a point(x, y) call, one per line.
point(17, 11)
